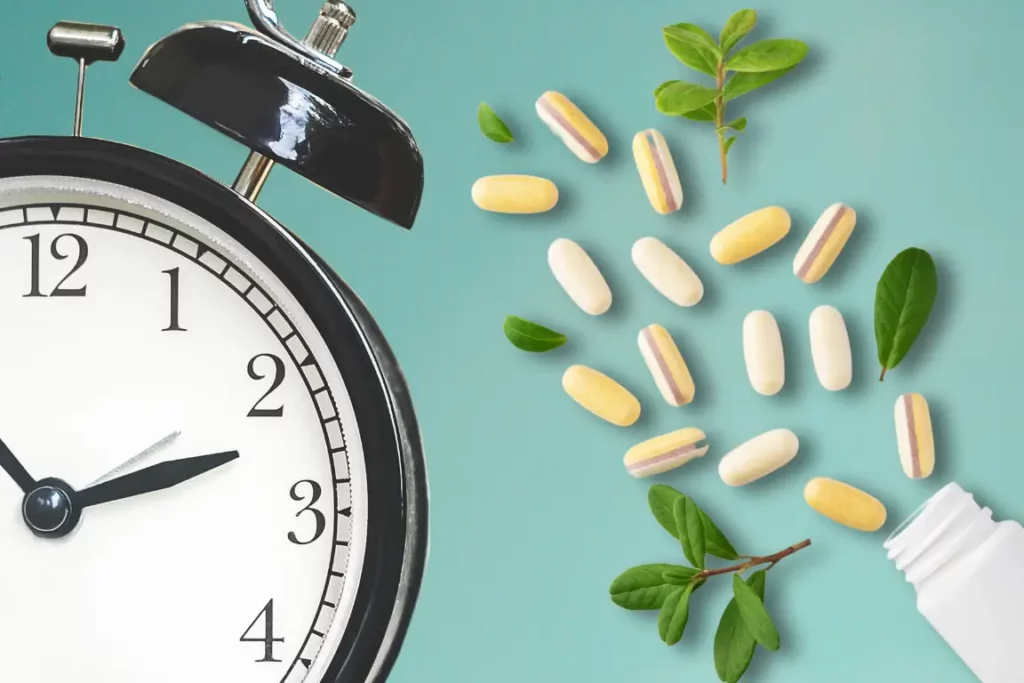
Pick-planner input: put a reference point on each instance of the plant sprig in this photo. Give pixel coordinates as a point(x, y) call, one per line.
point(736, 73)
point(744, 624)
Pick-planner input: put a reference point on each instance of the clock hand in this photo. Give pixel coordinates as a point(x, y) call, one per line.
point(15, 470)
point(163, 475)
point(138, 456)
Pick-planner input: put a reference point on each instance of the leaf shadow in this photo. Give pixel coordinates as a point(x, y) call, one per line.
point(940, 317)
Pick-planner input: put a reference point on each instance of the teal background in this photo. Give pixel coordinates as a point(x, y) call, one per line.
point(904, 109)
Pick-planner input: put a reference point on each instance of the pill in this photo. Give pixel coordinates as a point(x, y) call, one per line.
point(571, 125)
point(750, 235)
point(601, 395)
point(914, 437)
point(515, 194)
point(830, 348)
point(667, 272)
point(665, 452)
point(845, 504)
point(824, 242)
point(758, 457)
point(762, 353)
point(657, 171)
point(579, 276)
point(666, 365)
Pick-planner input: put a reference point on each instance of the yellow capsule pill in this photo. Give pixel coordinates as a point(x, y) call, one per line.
point(845, 504)
point(666, 364)
point(750, 235)
point(572, 126)
point(914, 438)
point(824, 242)
point(601, 395)
point(515, 194)
point(665, 452)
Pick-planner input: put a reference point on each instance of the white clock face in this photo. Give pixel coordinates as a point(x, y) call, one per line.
point(126, 319)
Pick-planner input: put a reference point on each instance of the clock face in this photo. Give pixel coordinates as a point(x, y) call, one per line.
point(129, 321)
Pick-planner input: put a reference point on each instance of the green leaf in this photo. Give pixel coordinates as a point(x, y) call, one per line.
point(530, 336)
point(736, 28)
point(692, 46)
point(738, 124)
point(663, 86)
point(768, 55)
point(662, 501)
point(679, 576)
point(715, 541)
point(690, 528)
point(644, 586)
point(675, 612)
point(755, 616)
point(705, 113)
point(680, 97)
point(734, 645)
point(742, 83)
point(728, 144)
point(904, 299)
point(491, 125)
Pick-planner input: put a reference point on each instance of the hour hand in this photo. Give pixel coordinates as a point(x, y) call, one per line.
point(153, 478)
point(15, 469)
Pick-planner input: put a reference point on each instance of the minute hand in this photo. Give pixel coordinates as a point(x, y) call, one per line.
point(153, 478)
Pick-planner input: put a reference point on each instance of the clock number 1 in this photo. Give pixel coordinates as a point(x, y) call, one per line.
point(55, 252)
point(173, 326)
point(268, 639)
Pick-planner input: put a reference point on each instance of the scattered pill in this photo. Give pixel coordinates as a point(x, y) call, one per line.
point(571, 125)
point(758, 457)
point(914, 436)
point(515, 194)
point(657, 171)
point(762, 352)
point(845, 504)
point(667, 272)
point(750, 235)
point(601, 395)
point(579, 276)
point(830, 348)
point(824, 242)
point(666, 365)
point(665, 452)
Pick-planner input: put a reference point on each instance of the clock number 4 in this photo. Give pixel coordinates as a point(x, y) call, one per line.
point(55, 252)
point(314, 496)
point(268, 639)
point(256, 410)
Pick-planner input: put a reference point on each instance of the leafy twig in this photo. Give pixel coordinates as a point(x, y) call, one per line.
point(770, 560)
point(735, 73)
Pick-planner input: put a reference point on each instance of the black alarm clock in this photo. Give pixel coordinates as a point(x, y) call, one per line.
point(211, 467)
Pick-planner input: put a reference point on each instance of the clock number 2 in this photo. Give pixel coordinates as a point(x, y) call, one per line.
point(83, 254)
point(256, 411)
point(268, 639)
point(321, 521)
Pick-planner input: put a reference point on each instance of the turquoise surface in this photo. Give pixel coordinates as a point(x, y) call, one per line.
point(905, 110)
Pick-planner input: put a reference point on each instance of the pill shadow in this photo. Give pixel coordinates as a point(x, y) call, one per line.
point(941, 316)
point(691, 352)
point(616, 143)
point(620, 307)
point(795, 356)
point(862, 349)
point(684, 167)
point(941, 437)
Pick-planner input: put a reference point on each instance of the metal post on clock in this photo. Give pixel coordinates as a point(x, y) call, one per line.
point(85, 43)
point(325, 37)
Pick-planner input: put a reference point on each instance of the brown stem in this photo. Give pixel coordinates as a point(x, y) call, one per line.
point(720, 119)
point(881, 378)
point(754, 561)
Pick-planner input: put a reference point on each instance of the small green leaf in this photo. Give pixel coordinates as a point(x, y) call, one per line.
point(903, 302)
point(663, 86)
point(662, 501)
point(734, 646)
point(705, 113)
point(644, 586)
point(530, 336)
point(736, 28)
point(738, 124)
point(679, 576)
point(691, 530)
point(755, 616)
point(692, 46)
point(680, 97)
point(675, 612)
point(742, 83)
point(768, 55)
point(728, 144)
point(715, 541)
point(491, 125)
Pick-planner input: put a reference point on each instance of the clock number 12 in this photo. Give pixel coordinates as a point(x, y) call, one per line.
point(55, 252)
point(268, 639)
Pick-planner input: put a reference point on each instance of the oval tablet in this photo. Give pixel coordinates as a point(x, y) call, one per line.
point(601, 395)
point(667, 272)
point(824, 242)
point(914, 437)
point(515, 194)
point(579, 276)
point(750, 235)
point(665, 452)
point(666, 365)
point(572, 126)
point(762, 353)
point(758, 457)
point(845, 504)
point(657, 171)
point(830, 348)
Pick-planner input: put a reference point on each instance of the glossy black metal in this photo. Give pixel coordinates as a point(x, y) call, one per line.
point(277, 103)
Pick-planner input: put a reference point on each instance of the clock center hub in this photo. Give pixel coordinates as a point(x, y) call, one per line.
point(48, 510)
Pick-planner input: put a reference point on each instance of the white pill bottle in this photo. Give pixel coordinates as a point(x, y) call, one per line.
point(968, 571)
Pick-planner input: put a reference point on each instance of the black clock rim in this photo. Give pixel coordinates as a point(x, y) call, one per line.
point(397, 531)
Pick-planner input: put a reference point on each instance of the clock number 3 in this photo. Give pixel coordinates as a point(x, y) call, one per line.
point(256, 410)
point(55, 252)
point(268, 639)
point(321, 521)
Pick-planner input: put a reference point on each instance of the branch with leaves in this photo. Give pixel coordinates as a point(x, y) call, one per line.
point(735, 73)
point(744, 625)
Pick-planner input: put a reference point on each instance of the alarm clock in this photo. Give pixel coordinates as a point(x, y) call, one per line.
point(210, 466)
